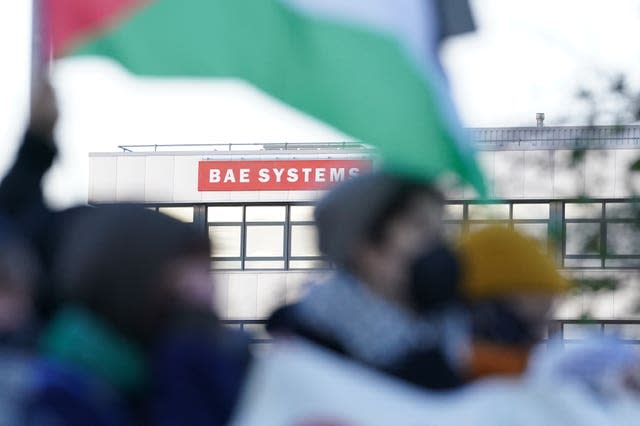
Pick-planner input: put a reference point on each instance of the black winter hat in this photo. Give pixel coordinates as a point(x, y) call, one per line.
point(346, 214)
point(112, 261)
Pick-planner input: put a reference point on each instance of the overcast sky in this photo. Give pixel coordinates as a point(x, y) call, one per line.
point(526, 57)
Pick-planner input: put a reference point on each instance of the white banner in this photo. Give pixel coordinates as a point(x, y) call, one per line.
point(301, 385)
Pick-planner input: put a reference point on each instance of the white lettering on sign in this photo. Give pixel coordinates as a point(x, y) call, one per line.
point(278, 174)
point(292, 175)
point(306, 172)
point(229, 176)
point(336, 175)
point(264, 175)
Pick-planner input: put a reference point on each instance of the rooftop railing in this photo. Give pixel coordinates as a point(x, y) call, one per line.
point(230, 147)
point(486, 139)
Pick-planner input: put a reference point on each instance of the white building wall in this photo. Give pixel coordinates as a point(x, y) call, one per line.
point(173, 178)
point(546, 174)
point(511, 174)
point(158, 180)
point(102, 179)
point(515, 174)
point(130, 178)
point(255, 294)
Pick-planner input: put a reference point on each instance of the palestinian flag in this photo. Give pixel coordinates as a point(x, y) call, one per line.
point(367, 67)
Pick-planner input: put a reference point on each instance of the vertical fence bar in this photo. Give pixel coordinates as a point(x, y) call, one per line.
point(287, 236)
point(556, 231)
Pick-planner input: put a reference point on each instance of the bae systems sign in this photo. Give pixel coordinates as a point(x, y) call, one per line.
point(276, 175)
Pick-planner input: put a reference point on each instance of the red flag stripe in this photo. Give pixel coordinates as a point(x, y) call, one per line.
point(67, 22)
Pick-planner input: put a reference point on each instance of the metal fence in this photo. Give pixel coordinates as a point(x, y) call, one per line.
point(568, 331)
point(572, 331)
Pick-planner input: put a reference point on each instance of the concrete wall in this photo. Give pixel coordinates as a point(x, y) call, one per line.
point(255, 294)
point(512, 174)
point(545, 174)
point(173, 178)
point(530, 173)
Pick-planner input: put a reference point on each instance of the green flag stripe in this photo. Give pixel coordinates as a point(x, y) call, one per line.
point(359, 81)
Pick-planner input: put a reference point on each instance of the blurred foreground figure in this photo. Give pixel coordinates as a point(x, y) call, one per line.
point(22, 201)
point(511, 283)
point(18, 275)
point(134, 340)
point(391, 302)
point(19, 272)
point(128, 335)
point(604, 366)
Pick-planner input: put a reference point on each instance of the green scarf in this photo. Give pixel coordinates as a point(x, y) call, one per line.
point(78, 337)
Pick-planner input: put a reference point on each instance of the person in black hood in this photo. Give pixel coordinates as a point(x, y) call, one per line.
point(19, 272)
point(135, 323)
point(125, 303)
point(22, 201)
point(392, 303)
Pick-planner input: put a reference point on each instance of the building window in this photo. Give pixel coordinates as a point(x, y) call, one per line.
point(227, 240)
point(600, 234)
point(184, 214)
point(531, 219)
point(304, 241)
point(265, 241)
point(256, 236)
point(225, 233)
point(622, 235)
point(264, 237)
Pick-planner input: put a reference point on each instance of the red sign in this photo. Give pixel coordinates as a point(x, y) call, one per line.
point(276, 175)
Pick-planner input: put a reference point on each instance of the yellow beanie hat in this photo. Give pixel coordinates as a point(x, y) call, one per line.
point(499, 261)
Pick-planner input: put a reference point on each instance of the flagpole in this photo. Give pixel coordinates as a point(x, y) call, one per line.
point(38, 59)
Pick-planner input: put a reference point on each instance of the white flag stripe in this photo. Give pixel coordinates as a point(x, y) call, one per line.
point(413, 24)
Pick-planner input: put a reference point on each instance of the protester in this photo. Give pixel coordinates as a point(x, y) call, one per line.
point(18, 275)
point(19, 272)
point(125, 297)
point(389, 303)
point(131, 276)
point(511, 283)
point(21, 196)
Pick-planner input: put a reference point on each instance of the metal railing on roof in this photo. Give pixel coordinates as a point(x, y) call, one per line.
point(486, 139)
point(229, 147)
point(556, 137)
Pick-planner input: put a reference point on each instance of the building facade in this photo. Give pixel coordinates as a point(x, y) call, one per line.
point(571, 185)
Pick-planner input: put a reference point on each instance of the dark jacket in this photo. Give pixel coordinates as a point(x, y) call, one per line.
point(86, 374)
point(89, 374)
point(21, 196)
point(67, 396)
point(22, 202)
point(196, 377)
point(344, 316)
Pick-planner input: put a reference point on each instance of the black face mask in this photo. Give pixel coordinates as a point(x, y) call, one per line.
point(496, 321)
point(435, 279)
